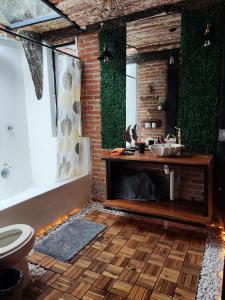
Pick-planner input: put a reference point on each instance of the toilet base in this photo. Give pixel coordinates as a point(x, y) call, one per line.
point(24, 267)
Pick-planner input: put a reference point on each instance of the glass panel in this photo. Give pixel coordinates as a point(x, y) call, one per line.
point(14, 13)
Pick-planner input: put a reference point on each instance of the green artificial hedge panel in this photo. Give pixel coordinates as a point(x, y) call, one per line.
point(200, 81)
point(113, 89)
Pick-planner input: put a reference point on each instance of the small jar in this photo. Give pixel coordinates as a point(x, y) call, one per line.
point(147, 124)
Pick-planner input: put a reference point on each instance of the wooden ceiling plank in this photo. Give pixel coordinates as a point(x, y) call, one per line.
point(53, 36)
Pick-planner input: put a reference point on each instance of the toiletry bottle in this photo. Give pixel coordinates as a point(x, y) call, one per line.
point(179, 136)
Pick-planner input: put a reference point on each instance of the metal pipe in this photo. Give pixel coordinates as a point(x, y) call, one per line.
point(36, 42)
point(170, 174)
point(172, 185)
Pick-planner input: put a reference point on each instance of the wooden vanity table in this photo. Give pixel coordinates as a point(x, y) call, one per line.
point(183, 210)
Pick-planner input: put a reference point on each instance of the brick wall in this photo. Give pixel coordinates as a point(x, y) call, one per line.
point(190, 183)
point(91, 111)
point(152, 73)
point(188, 180)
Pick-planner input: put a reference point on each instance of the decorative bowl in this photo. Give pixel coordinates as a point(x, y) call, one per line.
point(166, 149)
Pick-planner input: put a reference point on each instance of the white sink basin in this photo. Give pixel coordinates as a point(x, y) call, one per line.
point(166, 149)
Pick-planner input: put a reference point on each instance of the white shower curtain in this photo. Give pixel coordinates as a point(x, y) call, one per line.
point(68, 80)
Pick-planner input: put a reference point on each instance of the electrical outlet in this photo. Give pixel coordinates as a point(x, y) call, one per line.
point(222, 135)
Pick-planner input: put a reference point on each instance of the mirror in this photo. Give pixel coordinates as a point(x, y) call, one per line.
point(152, 74)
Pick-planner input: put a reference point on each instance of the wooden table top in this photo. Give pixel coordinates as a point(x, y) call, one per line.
point(186, 159)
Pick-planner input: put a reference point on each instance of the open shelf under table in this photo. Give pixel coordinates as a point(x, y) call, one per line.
point(178, 209)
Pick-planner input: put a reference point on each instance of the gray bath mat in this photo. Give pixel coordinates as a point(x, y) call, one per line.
point(70, 239)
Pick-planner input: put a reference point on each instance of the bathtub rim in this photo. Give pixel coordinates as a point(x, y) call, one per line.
point(6, 203)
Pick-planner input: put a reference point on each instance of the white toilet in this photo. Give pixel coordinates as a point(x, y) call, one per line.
point(16, 242)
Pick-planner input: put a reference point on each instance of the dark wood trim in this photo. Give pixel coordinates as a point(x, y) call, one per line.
point(161, 210)
point(170, 209)
point(153, 55)
point(200, 160)
point(53, 36)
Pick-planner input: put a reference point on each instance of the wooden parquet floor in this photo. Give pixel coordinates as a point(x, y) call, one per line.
point(131, 259)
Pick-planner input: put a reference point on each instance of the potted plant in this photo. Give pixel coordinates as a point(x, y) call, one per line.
point(161, 104)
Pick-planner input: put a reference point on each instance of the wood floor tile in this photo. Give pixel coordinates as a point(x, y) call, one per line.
point(141, 256)
point(46, 276)
point(125, 251)
point(74, 272)
point(131, 259)
point(80, 288)
point(145, 247)
point(120, 261)
point(83, 262)
point(111, 296)
point(95, 294)
point(159, 296)
point(62, 283)
point(193, 259)
point(161, 251)
point(188, 279)
point(165, 287)
point(51, 294)
point(146, 281)
point(92, 253)
point(89, 277)
point(135, 265)
point(60, 267)
point(153, 269)
point(104, 283)
point(169, 274)
point(181, 294)
point(36, 289)
point(121, 288)
point(174, 262)
point(52, 279)
point(113, 271)
point(67, 297)
point(129, 276)
point(113, 248)
point(114, 230)
point(137, 237)
point(180, 247)
point(106, 257)
point(98, 266)
point(119, 241)
point(139, 292)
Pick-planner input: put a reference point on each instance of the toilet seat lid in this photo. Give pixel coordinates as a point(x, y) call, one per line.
point(13, 237)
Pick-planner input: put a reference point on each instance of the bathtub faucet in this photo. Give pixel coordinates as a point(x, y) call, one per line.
point(5, 171)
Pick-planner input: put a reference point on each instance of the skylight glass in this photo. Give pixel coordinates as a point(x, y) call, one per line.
point(19, 13)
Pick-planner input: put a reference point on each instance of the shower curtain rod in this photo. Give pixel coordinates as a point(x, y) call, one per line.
point(36, 42)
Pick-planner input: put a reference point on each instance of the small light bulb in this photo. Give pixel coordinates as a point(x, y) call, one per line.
point(172, 61)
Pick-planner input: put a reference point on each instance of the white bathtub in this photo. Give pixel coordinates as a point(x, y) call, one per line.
point(28, 145)
point(39, 208)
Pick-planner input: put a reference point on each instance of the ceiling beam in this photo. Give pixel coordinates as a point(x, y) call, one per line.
point(53, 36)
point(147, 13)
